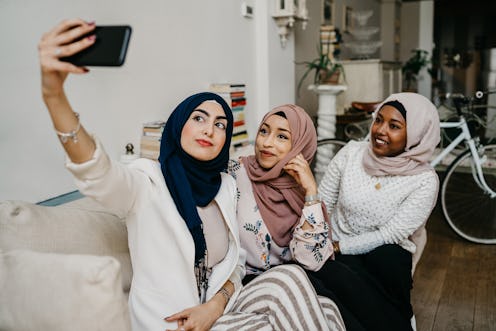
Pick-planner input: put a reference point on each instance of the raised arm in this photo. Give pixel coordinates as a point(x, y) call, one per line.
point(55, 44)
point(310, 245)
point(300, 170)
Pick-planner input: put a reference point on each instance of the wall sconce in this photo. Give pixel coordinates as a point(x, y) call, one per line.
point(286, 13)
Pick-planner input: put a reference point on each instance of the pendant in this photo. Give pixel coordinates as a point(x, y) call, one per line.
point(378, 186)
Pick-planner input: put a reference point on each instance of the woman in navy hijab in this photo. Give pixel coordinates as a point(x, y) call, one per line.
point(180, 212)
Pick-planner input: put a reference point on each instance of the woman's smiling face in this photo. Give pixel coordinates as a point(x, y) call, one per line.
point(388, 133)
point(204, 133)
point(273, 141)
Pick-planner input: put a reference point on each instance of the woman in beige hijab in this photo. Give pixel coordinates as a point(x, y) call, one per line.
point(378, 194)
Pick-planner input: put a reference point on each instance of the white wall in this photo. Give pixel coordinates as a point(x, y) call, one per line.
point(174, 51)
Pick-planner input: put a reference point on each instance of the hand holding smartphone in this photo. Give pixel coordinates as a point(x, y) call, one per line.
point(109, 49)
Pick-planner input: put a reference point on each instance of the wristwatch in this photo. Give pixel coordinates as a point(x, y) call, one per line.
point(335, 246)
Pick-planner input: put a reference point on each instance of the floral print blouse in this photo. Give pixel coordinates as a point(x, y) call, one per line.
point(310, 248)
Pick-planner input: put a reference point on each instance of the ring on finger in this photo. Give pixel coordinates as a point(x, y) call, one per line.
point(57, 51)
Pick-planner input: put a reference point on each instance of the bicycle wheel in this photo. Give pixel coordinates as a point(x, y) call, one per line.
point(468, 208)
point(326, 149)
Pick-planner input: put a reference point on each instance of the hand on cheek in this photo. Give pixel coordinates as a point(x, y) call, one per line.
point(299, 169)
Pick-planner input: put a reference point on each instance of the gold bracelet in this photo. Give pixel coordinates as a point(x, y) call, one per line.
point(225, 294)
point(64, 136)
point(335, 246)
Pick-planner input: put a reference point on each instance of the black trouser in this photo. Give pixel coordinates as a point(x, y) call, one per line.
point(371, 290)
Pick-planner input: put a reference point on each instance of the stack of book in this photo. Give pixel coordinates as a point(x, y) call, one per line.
point(328, 40)
point(234, 94)
point(150, 140)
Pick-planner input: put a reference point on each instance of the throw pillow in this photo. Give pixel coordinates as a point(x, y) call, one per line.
point(60, 292)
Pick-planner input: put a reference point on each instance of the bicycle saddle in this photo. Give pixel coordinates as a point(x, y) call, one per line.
point(367, 107)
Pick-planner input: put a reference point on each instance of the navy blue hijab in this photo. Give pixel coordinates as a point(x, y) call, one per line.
point(192, 182)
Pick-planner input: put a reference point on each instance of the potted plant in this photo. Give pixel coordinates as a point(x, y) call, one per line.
point(411, 68)
point(325, 68)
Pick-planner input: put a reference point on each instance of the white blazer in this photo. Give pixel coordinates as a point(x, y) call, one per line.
point(161, 247)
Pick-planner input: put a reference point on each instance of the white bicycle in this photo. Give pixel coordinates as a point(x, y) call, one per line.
point(468, 189)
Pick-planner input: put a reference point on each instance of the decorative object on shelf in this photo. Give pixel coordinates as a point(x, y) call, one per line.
point(129, 149)
point(129, 156)
point(362, 47)
point(364, 32)
point(419, 60)
point(362, 16)
point(286, 13)
point(325, 67)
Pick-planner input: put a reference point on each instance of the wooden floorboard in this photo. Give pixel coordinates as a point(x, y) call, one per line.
point(455, 282)
point(485, 306)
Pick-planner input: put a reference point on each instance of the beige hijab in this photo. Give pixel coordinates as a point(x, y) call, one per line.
point(423, 135)
point(279, 197)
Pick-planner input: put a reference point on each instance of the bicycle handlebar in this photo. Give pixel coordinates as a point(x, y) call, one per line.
point(478, 95)
point(460, 100)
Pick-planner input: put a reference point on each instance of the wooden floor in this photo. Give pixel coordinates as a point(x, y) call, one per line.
point(455, 282)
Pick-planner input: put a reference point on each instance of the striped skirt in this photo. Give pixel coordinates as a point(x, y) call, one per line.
point(282, 298)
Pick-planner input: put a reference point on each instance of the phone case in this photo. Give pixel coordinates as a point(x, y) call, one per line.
point(109, 49)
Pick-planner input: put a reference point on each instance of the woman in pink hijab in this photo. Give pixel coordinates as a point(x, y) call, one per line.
point(379, 193)
point(280, 216)
point(281, 219)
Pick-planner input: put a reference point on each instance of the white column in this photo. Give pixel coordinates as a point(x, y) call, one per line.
point(326, 114)
point(326, 122)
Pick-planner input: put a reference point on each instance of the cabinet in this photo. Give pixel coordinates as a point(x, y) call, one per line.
point(368, 81)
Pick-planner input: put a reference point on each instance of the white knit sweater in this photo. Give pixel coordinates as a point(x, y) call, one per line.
point(368, 211)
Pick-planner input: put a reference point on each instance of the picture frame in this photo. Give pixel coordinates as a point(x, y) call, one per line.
point(328, 12)
point(347, 19)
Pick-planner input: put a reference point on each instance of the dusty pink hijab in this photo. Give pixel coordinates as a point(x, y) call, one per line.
point(279, 197)
point(423, 135)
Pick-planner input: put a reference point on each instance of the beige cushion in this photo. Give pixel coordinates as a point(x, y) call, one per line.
point(46, 291)
point(82, 227)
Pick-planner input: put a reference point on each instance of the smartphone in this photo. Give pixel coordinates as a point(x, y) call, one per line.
point(109, 49)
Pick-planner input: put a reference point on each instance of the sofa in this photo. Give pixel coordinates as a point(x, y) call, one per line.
point(63, 268)
point(68, 267)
